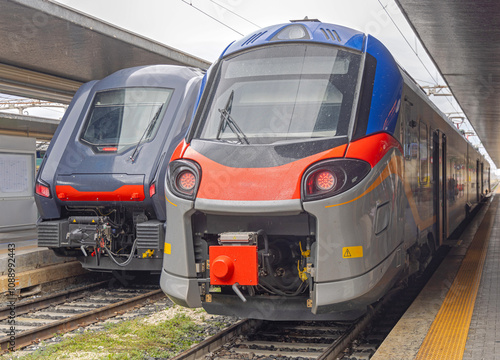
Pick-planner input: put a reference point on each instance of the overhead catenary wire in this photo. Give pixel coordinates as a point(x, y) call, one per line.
point(212, 17)
point(232, 12)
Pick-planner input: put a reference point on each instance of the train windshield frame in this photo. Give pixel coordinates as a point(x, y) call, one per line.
point(281, 92)
point(123, 117)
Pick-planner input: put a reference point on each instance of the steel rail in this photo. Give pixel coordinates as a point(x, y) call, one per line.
point(219, 339)
point(247, 326)
point(27, 337)
point(46, 301)
point(343, 342)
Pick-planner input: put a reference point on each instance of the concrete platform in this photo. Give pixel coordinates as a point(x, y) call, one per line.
point(483, 341)
point(15, 236)
point(33, 265)
point(457, 315)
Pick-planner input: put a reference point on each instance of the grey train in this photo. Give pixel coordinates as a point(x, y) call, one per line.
point(100, 190)
point(315, 175)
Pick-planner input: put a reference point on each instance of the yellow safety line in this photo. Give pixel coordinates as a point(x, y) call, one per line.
point(448, 333)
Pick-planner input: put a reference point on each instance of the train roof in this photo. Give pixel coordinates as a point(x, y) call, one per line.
point(170, 76)
point(301, 30)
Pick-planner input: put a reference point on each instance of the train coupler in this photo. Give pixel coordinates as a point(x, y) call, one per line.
point(233, 264)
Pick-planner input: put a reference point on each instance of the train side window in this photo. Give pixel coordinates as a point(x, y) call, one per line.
point(424, 154)
point(431, 155)
point(411, 137)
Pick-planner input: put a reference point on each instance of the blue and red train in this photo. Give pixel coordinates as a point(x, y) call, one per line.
point(314, 176)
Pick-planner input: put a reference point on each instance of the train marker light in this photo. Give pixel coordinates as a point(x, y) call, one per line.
point(42, 190)
point(152, 189)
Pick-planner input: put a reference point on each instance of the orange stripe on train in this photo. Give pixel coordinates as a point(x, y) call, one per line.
point(219, 182)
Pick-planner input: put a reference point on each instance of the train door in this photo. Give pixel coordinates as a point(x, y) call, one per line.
point(439, 177)
point(482, 178)
point(477, 180)
point(489, 180)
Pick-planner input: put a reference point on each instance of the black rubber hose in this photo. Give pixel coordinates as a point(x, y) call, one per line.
point(130, 257)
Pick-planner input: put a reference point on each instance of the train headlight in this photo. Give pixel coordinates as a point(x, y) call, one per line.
point(186, 181)
point(292, 32)
point(331, 177)
point(183, 178)
point(325, 180)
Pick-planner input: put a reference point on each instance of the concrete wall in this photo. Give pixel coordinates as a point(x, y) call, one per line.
point(17, 182)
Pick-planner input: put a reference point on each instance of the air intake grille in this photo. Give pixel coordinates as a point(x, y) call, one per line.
point(331, 34)
point(150, 235)
point(49, 233)
point(253, 38)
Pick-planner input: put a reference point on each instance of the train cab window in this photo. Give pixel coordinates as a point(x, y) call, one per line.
point(122, 117)
point(424, 154)
point(281, 93)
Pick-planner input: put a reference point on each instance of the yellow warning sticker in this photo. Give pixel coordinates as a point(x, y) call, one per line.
point(168, 249)
point(352, 252)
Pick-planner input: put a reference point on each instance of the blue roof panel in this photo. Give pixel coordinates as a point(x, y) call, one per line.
point(317, 31)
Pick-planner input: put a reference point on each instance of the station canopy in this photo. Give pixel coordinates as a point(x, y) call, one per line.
point(47, 51)
point(462, 37)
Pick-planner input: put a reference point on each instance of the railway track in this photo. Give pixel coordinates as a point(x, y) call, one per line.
point(252, 339)
point(41, 318)
point(258, 339)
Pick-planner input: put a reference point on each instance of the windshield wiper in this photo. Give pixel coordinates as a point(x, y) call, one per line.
point(148, 129)
point(227, 120)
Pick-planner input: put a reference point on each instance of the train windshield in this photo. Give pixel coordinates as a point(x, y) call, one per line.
point(123, 117)
point(281, 93)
